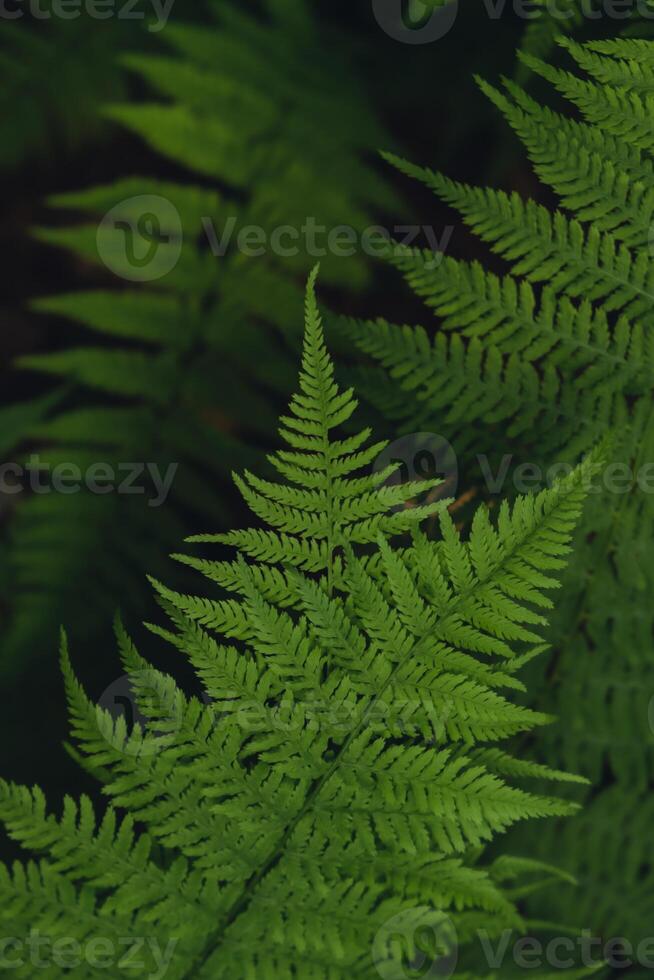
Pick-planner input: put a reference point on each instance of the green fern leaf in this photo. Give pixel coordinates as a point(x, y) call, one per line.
point(342, 772)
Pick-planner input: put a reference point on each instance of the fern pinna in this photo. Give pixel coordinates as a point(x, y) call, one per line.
point(175, 370)
point(340, 768)
point(548, 358)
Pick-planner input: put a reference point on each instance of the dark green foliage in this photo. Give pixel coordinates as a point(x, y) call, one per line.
point(261, 835)
point(178, 368)
point(542, 361)
point(343, 770)
point(54, 75)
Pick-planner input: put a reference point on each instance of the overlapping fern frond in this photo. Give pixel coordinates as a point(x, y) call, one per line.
point(341, 768)
point(554, 354)
point(176, 368)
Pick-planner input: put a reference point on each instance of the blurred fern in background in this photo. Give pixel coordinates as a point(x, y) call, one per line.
point(54, 76)
point(191, 364)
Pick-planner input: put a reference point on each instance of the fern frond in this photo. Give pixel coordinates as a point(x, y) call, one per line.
point(599, 177)
point(546, 247)
point(342, 772)
point(531, 350)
